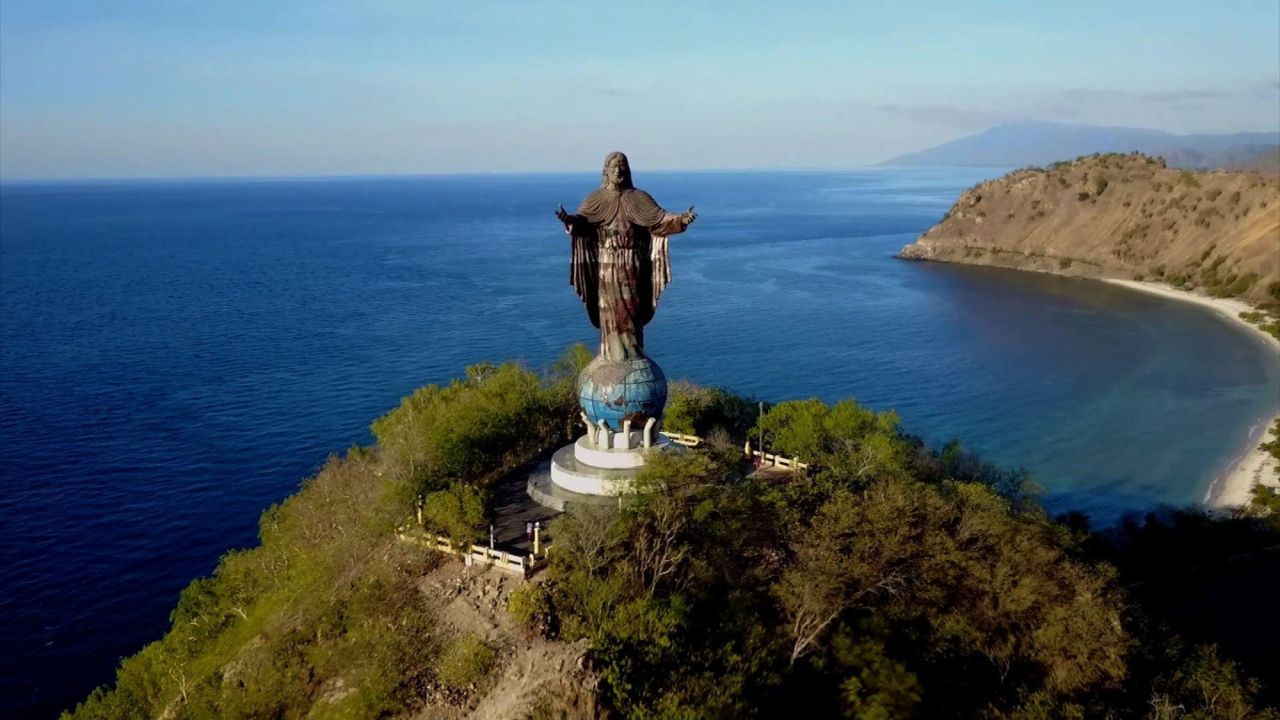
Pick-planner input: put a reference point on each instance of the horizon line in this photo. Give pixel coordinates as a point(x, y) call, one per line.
point(406, 176)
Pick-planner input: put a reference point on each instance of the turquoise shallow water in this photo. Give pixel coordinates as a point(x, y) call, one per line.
point(177, 356)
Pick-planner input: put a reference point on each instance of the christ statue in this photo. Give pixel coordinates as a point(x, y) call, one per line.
point(620, 263)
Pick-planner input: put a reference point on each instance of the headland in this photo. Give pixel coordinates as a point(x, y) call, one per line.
point(1211, 238)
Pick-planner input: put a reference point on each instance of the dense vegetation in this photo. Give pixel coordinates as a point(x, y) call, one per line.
point(890, 581)
point(1265, 500)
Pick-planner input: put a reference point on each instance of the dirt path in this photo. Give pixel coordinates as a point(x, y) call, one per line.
point(528, 670)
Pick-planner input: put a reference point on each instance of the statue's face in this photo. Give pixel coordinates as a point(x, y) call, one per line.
point(616, 171)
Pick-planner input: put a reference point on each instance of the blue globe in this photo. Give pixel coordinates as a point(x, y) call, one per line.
point(618, 390)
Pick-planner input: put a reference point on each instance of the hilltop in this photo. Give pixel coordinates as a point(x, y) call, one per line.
point(886, 579)
point(1039, 142)
point(1121, 216)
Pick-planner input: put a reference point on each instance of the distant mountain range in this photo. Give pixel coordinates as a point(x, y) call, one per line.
point(1039, 143)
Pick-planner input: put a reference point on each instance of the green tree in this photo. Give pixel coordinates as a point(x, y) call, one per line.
point(472, 428)
point(458, 512)
point(846, 438)
point(696, 410)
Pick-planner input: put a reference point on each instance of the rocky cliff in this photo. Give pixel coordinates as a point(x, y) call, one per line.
point(1125, 216)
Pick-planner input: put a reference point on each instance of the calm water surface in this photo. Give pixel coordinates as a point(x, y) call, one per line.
point(176, 356)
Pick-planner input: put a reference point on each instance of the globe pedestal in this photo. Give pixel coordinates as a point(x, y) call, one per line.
point(622, 403)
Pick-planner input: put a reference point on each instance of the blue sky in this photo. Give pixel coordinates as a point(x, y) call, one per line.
point(163, 89)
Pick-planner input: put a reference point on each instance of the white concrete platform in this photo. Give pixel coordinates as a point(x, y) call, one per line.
point(583, 473)
point(579, 477)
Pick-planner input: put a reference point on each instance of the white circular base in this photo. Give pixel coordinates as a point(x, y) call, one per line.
point(585, 469)
point(584, 479)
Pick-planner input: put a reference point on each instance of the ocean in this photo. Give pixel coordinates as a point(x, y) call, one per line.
point(176, 356)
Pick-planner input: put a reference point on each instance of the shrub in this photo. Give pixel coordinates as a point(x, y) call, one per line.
point(472, 429)
point(1241, 285)
point(1064, 263)
point(464, 662)
point(696, 410)
point(530, 606)
point(458, 512)
point(1265, 501)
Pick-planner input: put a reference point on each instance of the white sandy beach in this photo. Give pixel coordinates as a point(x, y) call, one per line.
point(1252, 466)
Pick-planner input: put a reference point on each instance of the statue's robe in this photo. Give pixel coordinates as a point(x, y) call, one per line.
point(620, 265)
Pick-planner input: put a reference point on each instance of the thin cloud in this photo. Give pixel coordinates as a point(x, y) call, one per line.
point(1163, 97)
point(943, 115)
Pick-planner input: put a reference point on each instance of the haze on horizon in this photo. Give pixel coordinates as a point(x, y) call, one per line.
point(187, 89)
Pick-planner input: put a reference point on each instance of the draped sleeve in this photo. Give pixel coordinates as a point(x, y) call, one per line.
point(660, 266)
point(584, 268)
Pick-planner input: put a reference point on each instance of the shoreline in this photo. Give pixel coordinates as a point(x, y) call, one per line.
point(1231, 487)
point(1228, 307)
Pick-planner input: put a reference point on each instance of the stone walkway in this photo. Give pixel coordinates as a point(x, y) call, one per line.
point(513, 508)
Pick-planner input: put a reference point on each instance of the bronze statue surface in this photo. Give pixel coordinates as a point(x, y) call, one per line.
point(620, 263)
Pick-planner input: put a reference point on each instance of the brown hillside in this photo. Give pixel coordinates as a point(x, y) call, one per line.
point(1124, 216)
point(1268, 162)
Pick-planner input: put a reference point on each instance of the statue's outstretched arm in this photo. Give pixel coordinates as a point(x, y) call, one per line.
point(673, 223)
point(569, 220)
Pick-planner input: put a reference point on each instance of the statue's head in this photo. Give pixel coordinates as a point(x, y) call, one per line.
point(617, 172)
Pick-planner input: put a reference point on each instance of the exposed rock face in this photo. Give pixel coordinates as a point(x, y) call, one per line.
point(1125, 216)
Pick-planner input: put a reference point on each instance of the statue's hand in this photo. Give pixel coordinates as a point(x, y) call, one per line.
point(688, 216)
point(565, 218)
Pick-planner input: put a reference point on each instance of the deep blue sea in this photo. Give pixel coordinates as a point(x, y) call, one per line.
point(176, 356)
